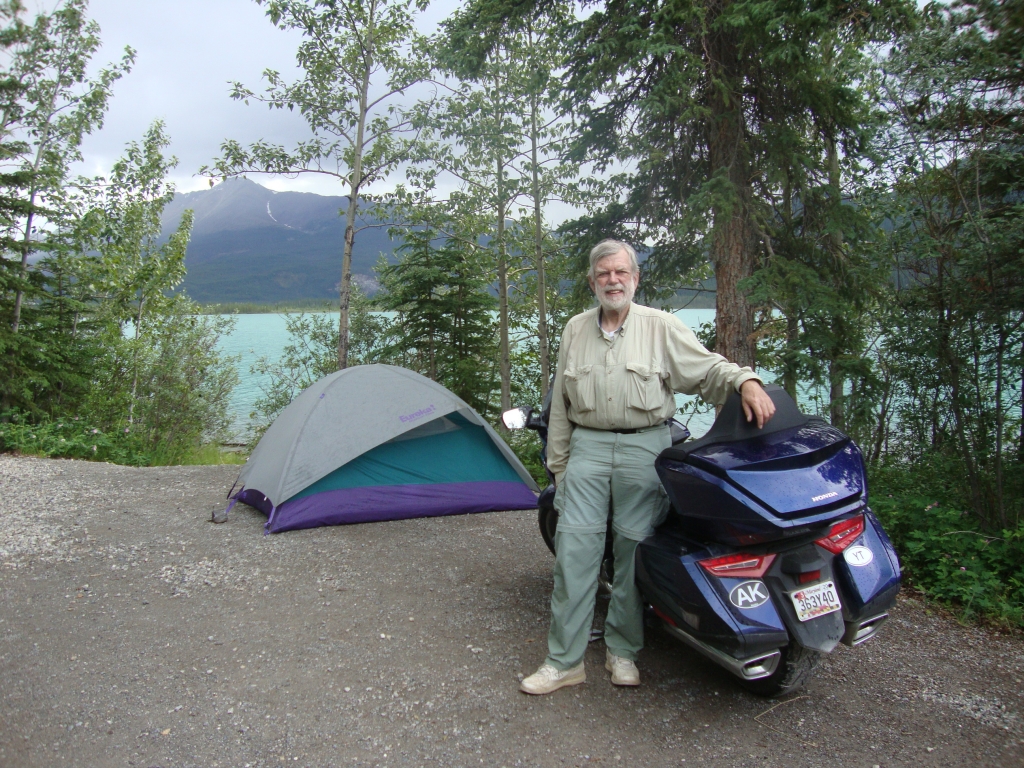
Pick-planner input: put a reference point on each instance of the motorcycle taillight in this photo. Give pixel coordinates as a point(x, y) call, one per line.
point(842, 534)
point(738, 566)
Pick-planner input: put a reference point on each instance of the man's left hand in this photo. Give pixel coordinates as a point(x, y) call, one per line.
point(756, 403)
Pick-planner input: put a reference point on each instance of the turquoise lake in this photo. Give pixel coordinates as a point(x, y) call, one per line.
point(257, 336)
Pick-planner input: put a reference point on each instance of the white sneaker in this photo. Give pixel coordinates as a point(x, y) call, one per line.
point(624, 671)
point(548, 679)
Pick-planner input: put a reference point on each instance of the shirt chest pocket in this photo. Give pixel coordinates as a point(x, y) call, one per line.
point(643, 387)
point(580, 386)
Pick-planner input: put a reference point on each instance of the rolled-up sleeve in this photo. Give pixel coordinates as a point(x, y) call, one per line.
point(559, 428)
point(693, 370)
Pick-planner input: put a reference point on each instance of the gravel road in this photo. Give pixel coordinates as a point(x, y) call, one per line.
point(134, 632)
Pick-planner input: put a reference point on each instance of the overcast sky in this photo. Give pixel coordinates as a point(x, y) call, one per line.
point(187, 53)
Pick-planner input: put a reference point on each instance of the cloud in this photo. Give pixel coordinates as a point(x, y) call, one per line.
point(188, 53)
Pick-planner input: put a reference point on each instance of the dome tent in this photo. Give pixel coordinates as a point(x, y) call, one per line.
point(378, 442)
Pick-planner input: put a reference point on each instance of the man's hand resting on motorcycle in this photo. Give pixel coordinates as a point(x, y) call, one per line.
point(756, 403)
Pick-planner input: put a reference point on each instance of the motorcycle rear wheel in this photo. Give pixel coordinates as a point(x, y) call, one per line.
point(547, 518)
point(794, 669)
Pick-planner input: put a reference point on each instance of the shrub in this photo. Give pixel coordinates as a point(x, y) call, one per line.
point(70, 438)
point(944, 552)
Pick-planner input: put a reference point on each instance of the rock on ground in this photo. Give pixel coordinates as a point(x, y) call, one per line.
point(134, 632)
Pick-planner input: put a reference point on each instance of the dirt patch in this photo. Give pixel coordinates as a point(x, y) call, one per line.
point(136, 633)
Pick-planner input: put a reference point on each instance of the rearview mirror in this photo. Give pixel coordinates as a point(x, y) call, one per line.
point(516, 418)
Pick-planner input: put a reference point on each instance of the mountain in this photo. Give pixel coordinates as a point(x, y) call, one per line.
point(252, 244)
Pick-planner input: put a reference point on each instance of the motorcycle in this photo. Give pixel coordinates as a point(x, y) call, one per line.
point(769, 556)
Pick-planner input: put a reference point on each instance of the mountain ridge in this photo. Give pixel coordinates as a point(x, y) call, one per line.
point(252, 244)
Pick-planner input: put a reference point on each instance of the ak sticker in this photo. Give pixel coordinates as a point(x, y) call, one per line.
point(749, 594)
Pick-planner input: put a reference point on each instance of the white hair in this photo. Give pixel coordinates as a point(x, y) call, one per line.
point(609, 248)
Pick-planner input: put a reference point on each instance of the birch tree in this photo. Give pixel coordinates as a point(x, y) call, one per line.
point(497, 140)
point(470, 141)
point(357, 60)
point(58, 105)
point(140, 271)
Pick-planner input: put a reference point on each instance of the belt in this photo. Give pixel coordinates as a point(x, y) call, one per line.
point(631, 431)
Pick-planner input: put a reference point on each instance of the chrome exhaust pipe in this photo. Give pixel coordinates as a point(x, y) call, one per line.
point(858, 632)
point(753, 668)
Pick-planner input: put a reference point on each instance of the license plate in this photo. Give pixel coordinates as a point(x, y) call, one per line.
point(815, 601)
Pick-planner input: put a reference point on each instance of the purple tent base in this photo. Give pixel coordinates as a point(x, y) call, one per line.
point(391, 502)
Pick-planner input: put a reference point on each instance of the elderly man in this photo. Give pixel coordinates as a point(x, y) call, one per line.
point(618, 367)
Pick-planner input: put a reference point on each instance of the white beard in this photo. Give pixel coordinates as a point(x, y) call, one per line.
point(615, 305)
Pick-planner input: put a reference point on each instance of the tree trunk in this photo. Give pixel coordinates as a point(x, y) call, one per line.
point(1000, 354)
point(135, 361)
point(882, 425)
point(504, 353)
point(836, 377)
point(790, 378)
point(948, 358)
point(789, 373)
point(1020, 442)
point(836, 382)
point(500, 203)
point(538, 237)
point(733, 243)
point(25, 250)
point(355, 182)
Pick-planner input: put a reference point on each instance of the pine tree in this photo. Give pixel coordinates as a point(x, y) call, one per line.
point(48, 104)
point(955, 166)
point(444, 326)
point(698, 106)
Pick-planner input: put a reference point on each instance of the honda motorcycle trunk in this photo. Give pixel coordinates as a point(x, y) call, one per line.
point(769, 544)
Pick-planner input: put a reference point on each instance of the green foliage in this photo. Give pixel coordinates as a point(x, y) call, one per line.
point(78, 438)
point(443, 325)
point(311, 354)
point(527, 446)
point(70, 438)
point(705, 115)
point(953, 332)
point(155, 375)
point(356, 60)
point(139, 271)
point(101, 360)
point(48, 104)
point(943, 550)
point(168, 389)
point(180, 392)
point(492, 156)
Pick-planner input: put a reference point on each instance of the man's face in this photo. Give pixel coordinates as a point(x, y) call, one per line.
point(614, 281)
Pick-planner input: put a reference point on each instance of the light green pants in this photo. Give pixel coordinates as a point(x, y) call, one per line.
point(605, 471)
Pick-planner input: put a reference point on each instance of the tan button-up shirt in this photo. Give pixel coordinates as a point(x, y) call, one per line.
point(629, 382)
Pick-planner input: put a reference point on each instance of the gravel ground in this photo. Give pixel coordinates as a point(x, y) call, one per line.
point(135, 632)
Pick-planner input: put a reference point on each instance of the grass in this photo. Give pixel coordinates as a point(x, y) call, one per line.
point(209, 454)
point(74, 438)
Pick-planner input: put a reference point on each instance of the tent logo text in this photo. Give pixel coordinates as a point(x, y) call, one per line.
point(418, 414)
